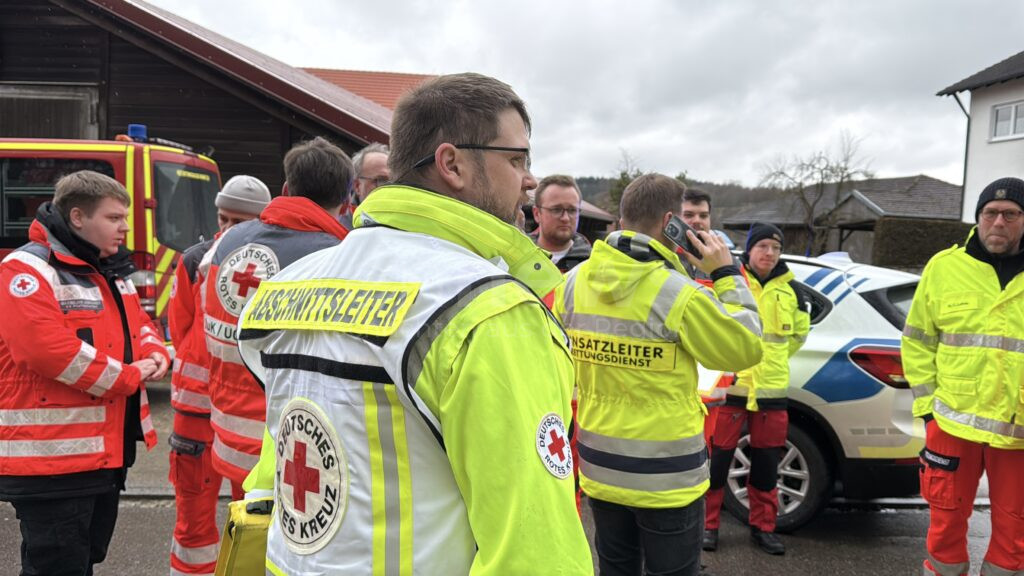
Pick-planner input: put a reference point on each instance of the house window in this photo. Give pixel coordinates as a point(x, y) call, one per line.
point(1008, 121)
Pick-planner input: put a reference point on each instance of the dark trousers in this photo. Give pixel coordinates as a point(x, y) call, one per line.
point(651, 541)
point(66, 536)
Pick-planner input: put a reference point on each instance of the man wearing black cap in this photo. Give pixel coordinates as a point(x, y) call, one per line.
point(963, 355)
point(758, 395)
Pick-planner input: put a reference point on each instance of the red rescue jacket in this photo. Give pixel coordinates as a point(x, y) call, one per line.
point(63, 386)
point(289, 228)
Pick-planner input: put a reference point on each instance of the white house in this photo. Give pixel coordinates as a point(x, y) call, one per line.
point(995, 127)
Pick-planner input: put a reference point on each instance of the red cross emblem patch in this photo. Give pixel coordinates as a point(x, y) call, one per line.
point(553, 446)
point(240, 275)
point(24, 285)
point(312, 477)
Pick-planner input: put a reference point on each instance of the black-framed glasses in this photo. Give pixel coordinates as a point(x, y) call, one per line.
point(378, 181)
point(559, 211)
point(1010, 215)
point(524, 151)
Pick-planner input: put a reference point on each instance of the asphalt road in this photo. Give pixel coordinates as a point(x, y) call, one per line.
point(845, 541)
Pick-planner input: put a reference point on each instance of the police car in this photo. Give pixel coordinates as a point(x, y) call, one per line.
point(851, 432)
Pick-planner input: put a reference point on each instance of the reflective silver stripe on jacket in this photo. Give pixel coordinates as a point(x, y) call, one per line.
point(79, 364)
point(224, 351)
point(149, 339)
point(107, 378)
point(642, 448)
point(194, 371)
point(246, 427)
point(915, 333)
point(983, 341)
point(645, 482)
point(746, 316)
point(923, 389)
point(198, 555)
point(189, 398)
point(234, 457)
point(51, 448)
point(53, 416)
point(981, 423)
point(744, 298)
point(774, 338)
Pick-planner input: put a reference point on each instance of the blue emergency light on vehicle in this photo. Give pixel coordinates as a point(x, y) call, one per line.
point(137, 132)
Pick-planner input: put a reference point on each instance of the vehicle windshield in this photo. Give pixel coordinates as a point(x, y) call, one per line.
point(185, 212)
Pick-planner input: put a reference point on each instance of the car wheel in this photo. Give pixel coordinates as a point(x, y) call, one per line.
point(805, 481)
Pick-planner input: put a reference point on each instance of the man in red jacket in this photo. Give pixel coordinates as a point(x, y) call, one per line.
point(300, 222)
point(75, 350)
point(196, 483)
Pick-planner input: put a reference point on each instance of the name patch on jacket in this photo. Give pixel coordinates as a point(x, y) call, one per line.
point(625, 352)
point(372, 308)
point(312, 477)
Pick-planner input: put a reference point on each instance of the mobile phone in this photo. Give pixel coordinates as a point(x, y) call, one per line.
point(675, 230)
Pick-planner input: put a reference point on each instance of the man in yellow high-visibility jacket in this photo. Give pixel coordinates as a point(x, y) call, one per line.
point(759, 396)
point(639, 325)
point(963, 354)
point(418, 391)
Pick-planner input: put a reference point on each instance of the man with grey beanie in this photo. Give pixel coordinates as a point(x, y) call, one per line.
point(196, 483)
point(964, 360)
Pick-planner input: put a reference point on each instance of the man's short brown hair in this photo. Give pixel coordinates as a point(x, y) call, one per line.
point(320, 171)
point(457, 109)
point(85, 190)
point(557, 180)
point(647, 198)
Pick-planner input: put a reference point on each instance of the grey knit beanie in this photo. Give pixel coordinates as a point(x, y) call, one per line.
point(243, 194)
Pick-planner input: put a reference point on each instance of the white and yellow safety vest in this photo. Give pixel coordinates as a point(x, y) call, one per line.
point(417, 400)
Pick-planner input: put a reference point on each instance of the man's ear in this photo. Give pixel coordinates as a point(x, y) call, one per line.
point(452, 167)
point(665, 219)
point(536, 213)
point(284, 189)
point(75, 217)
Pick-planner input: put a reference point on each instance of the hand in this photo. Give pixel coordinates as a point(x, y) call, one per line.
point(161, 365)
point(146, 367)
point(714, 251)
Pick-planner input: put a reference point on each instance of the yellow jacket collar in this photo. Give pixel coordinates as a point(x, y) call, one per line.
point(421, 211)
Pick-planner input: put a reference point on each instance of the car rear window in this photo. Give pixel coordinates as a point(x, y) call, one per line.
point(893, 303)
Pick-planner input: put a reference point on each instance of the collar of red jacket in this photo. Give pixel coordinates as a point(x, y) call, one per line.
point(300, 213)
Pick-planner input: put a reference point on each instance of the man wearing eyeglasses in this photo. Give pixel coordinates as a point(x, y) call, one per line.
point(963, 355)
point(371, 168)
point(417, 389)
point(371, 165)
point(556, 208)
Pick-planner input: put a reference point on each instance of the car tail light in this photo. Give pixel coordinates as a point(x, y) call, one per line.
point(882, 362)
point(144, 279)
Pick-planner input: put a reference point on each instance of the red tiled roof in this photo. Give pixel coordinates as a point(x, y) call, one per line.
point(384, 88)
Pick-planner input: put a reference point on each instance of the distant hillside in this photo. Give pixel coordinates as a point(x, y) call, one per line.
point(725, 198)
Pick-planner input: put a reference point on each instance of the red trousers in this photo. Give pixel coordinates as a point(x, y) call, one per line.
point(767, 437)
point(949, 482)
point(196, 488)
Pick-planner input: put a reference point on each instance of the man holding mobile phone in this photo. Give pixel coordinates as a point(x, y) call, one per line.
point(639, 325)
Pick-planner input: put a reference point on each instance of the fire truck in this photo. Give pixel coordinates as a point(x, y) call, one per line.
point(172, 189)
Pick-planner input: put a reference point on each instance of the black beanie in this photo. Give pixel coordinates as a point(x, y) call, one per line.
point(761, 230)
point(1003, 189)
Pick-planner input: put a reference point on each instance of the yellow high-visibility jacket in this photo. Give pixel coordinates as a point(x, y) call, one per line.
point(639, 325)
point(963, 348)
point(785, 324)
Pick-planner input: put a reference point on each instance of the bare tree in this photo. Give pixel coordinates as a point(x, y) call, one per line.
point(628, 170)
point(807, 179)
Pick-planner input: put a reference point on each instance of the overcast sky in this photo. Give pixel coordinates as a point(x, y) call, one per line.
point(717, 89)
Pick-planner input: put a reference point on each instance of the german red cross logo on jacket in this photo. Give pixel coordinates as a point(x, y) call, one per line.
point(553, 446)
point(241, 273)
point(24, 285)
point(312, 477)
